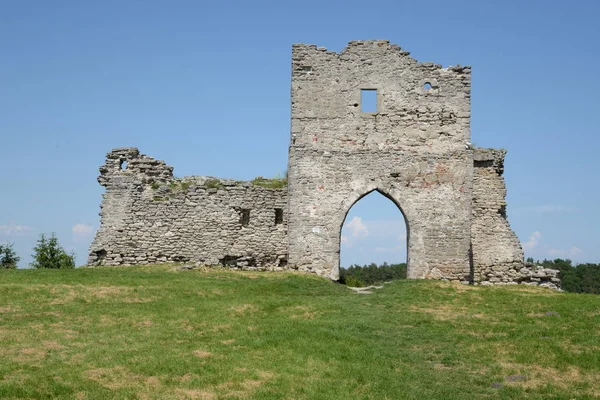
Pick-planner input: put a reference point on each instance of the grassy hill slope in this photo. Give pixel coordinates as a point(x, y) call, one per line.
point(157, 333)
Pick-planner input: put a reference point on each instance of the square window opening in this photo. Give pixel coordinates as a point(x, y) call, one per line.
point(368, 100)
point(244, 216)
point(278, 216)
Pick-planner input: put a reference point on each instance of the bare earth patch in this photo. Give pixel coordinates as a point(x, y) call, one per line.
point(306, 315)
point(192, 394)
point(202, 354)
point(52, 345)
point(245, 308)
point(120, 377)
point(63, 294)
point(243, 389)
point(221, 328)
point(528, 291)
point(447, 312)
point(9, 309)
point(30, 355)
point(16, 376)
point(187, 377)
point(300, 312)
point(536, 376)
point(544, 314)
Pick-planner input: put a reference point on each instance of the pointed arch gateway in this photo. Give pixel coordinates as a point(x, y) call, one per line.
point(389, 197)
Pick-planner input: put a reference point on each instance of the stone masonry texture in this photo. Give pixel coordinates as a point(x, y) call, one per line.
point(412, 145)
point(147, 216)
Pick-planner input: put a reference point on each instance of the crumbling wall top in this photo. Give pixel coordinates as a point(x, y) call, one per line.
point(492, 158)
point(126, 164)
point(357, 47)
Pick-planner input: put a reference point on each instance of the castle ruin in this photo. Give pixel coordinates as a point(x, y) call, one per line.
point(412, 146)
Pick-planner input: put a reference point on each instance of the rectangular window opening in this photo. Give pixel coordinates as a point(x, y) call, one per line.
point(368, 100)
point(244, 216)
point(278, 216)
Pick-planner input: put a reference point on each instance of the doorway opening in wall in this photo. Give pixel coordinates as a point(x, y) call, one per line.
point(373, 242)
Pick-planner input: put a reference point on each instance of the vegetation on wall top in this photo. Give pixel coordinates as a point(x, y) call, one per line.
point(270, 183)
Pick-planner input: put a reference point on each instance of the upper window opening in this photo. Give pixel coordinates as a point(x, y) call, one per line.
point(278, 216)
point(368, 100)
point(123, 165)
point(427, 86)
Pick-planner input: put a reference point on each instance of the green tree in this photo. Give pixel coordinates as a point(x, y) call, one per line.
point(8, 257)
point(49, 254)
point(365, 275)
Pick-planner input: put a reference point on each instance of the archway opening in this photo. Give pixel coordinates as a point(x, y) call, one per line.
point(373, 241)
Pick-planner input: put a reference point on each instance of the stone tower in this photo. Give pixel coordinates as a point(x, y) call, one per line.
point(412, 146)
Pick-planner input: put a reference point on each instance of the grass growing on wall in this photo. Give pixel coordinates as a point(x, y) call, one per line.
point(213, 184)
point(270, 183)
point(158, 333)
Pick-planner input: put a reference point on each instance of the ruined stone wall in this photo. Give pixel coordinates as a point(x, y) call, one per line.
point(413, 149)
point(497, 251)
point(148, 216)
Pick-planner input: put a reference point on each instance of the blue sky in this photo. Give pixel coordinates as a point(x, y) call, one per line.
point(205, 86)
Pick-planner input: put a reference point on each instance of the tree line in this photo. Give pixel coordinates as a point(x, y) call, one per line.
point(580, 278)
point(365, 275)
point(48, 253)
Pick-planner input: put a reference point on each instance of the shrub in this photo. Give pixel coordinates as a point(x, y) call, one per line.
point(185, 185)
point(581, 278)
point(49, 254)
point(8, 257)
point(353, 282)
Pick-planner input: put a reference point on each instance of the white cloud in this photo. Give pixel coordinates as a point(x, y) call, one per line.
point(385, 228)
point(533, 241)
point(10, 230)
point(573, 252)
point(82, 231)
point(357, 227)
point(344, 240)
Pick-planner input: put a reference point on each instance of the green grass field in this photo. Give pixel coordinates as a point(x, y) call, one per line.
point(157, 333)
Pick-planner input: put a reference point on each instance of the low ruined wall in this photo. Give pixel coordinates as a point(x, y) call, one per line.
point(148, 216)
point(496, 251)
